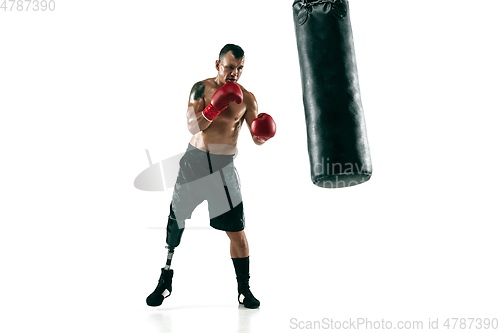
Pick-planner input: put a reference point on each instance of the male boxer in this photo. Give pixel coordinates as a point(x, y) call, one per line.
point(217, 109)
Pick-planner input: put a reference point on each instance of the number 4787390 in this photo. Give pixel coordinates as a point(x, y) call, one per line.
point(27, 5)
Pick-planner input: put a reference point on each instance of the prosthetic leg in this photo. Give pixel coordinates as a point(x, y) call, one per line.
point(175, 229)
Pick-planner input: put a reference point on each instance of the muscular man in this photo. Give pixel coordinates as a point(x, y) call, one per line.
point(217, 109)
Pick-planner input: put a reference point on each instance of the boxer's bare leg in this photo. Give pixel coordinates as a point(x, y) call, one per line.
point(239, 244)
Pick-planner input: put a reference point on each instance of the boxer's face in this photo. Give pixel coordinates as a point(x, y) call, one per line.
point(230, 68)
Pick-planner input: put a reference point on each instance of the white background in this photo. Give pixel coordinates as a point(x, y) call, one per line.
point(84, 90)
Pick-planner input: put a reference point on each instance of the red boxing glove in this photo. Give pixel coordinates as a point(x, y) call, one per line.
point(263, 127)
point(230, 92)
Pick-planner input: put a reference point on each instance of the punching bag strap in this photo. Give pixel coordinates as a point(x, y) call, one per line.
point(338, 6)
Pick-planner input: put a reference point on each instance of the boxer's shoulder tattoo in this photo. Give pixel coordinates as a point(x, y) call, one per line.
point(197, 91)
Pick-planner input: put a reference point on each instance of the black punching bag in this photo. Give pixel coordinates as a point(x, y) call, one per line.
point(339, 154)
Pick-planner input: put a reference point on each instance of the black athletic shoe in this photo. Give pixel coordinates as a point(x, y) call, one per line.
point(245, 296)
point(163, 289)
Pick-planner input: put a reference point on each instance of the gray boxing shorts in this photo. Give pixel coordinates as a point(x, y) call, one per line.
point(206, 176)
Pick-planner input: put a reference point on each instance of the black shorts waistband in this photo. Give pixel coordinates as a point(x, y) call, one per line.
point(214, 162)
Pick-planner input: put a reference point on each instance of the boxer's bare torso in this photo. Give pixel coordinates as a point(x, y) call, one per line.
point(220, 135)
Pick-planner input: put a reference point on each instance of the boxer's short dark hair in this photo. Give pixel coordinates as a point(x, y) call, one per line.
point(237, 51)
